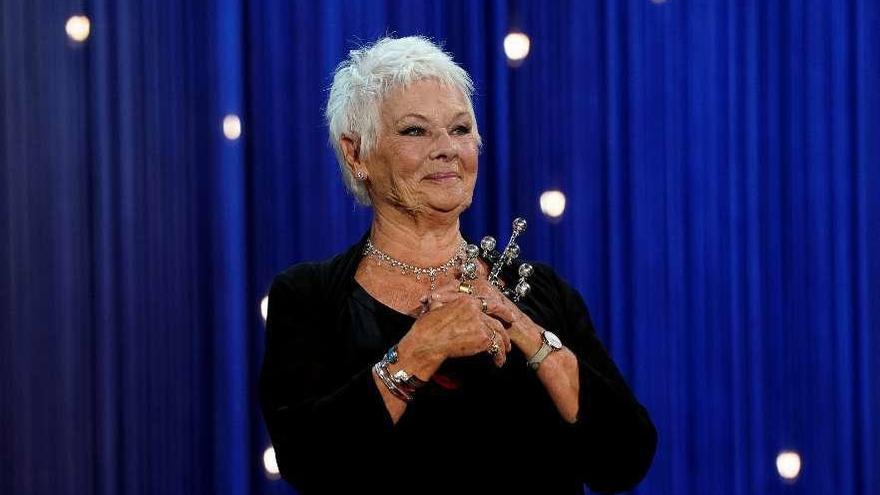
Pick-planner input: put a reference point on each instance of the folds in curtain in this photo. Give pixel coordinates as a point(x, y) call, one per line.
point(720, 161)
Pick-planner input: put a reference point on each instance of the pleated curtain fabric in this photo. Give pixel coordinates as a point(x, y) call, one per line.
point(720, 160)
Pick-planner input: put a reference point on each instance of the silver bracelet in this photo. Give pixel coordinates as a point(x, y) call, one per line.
point(381, 369)
point(404, 381)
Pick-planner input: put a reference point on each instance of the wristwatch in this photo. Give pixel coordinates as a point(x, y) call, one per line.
point(550, 343)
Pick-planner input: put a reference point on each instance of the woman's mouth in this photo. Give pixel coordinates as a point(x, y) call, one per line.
point(442, 176)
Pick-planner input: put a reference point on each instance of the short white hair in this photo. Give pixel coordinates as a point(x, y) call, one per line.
point(367, 76)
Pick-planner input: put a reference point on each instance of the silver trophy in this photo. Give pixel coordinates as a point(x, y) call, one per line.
point(499, 260)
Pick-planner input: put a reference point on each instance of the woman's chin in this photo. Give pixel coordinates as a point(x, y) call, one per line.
point(450, 204)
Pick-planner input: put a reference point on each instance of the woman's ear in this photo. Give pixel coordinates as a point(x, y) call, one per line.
point(351, 152)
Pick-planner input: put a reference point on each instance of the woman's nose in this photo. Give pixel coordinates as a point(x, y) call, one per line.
point(445, 147)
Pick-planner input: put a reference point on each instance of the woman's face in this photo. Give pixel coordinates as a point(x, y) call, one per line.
point(425, 159)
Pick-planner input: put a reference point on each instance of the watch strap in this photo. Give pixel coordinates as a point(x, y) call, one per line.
point(544, 351)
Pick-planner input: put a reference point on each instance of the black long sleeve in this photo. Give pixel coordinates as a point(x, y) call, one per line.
point(317, 408)
point(497, 431)
point(613, 435)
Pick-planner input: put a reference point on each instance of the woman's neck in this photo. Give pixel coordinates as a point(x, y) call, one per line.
point(413, 240)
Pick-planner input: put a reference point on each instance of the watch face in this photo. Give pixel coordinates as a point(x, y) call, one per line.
point(552, 340)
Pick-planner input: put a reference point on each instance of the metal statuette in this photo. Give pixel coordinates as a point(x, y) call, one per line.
point(499, 260)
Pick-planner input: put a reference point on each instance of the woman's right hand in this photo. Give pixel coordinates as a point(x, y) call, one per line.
point(454, 328)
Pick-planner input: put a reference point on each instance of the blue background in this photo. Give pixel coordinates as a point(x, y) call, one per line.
point(721, 162)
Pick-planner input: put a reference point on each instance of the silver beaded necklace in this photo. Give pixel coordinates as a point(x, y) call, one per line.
point(432, 272)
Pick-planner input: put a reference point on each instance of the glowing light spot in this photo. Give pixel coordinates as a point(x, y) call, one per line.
point(270, 464)
point(78, 28)
point(788, 463)
point(552, 203)
point(516, 46)
point(232, 127)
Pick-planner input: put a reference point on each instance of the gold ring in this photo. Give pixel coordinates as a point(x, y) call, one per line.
point(466, 288)
point(484, 306)
point(494, 348)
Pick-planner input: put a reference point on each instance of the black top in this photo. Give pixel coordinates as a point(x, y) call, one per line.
point(475, 428)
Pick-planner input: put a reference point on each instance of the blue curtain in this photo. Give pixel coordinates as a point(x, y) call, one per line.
point(721, 162)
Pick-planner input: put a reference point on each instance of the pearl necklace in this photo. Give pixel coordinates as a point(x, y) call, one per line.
point(406, 269)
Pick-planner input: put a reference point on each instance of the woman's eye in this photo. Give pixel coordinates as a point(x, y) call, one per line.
point(412, 131)
point(461, 130)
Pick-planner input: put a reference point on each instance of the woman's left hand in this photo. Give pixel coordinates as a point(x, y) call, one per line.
point(558, 374)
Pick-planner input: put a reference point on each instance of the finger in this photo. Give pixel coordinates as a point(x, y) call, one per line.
point(500, 355)
point(502, 336)
point(468, 287)
point(439, 298)
point(453, 298)
point(495, 308)
point(424, 304)
point(500, 358)
point(483, 287)
point(499, 309)
point(453, 283)
point(478, 287)
point(435, 300)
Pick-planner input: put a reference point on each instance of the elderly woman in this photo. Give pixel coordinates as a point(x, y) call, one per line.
point(384, 372)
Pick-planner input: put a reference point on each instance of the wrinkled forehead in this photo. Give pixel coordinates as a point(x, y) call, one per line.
point(429, 98)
